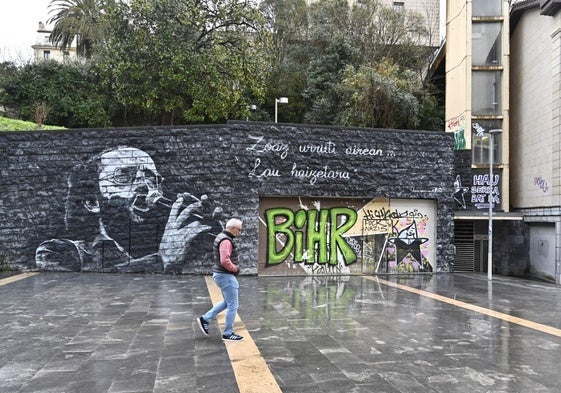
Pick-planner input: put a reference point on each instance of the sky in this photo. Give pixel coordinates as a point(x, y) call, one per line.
point(19, 20)
point(18, 27)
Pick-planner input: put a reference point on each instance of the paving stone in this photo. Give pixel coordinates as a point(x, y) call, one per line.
point(91, 333)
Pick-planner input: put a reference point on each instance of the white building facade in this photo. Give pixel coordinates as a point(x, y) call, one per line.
point(535, 95)
point(43, 49)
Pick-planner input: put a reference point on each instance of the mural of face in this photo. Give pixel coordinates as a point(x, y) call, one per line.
point(128, 179)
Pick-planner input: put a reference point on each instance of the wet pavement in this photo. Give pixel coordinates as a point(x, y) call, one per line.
point(72, 332)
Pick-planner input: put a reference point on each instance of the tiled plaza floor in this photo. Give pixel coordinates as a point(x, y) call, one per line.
point(84, 333)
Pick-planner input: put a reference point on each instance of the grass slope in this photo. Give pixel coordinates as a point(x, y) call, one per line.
point(20, 125)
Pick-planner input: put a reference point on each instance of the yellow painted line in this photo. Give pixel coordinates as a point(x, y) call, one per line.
point(495, 314)
point(251, 371)
point(17, 277)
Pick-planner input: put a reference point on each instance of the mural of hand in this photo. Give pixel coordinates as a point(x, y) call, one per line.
point(182, 227)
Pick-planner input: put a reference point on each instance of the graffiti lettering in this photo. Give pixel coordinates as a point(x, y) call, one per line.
point(314, 174)
point(317, 228)
point(359, 151)
point(541, 183)
point(385, 214)
point(481, 189)
point(377, 226)
point(481, 180)
point(479, 131)
point(455, 122)
point(260, 146)
point(355, 245)
point(326, 148)
point(267, 172)
point(484, 190)
point(478, 198)
point(482, 195)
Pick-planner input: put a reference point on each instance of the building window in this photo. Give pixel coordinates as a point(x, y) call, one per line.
point(481, 139)
point(486, 97)
point(46, 54)
point(399, 6)
point(487, 8)
point(486, 44)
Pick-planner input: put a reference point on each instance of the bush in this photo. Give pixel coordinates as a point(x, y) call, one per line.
point(71, 98)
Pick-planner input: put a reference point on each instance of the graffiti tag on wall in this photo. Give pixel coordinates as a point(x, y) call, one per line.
point(457, 125)
point(306, 230)
point(361, 236)
point(541, 183)
point(485, 191)
point(404, 234)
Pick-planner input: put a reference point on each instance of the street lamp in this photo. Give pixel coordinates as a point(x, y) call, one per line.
point(282, 100)
point(492, 133)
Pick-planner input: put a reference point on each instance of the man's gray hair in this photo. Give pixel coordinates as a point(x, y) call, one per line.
point(233, 223)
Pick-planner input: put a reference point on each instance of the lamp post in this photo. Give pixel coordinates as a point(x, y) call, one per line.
point(282, 100)
point(492, 134)
point(251, 108)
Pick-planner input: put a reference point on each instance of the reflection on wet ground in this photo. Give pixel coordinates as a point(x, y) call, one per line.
point(363, 334)
point(421, 333)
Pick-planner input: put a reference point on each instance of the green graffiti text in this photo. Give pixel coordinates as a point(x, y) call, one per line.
point(310, 236)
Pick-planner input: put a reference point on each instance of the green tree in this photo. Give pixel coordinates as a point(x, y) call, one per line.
point(79, 20)
point(324, 76)
point(8, 72)
point(62, 93)
point(184, 60)
point(387, 47)
point(286, 23)
point(386, 96)
point(332, 52)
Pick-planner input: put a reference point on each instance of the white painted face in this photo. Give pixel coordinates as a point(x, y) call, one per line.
point(128, 176)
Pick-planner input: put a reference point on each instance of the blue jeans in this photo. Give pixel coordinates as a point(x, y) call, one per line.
point(229, 286)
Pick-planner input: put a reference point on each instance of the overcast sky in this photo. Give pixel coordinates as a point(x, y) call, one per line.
point(18, 27)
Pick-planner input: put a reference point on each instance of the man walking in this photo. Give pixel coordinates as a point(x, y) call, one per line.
point(224, 274)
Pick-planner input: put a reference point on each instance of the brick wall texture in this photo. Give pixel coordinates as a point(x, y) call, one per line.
point(225, 169)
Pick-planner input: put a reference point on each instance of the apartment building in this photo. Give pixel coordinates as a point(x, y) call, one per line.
point(503, 104)
point(429, 10)
point(43, 49)
point(477, 74)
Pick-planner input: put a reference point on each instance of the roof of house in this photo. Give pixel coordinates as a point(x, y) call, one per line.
point(547, 8)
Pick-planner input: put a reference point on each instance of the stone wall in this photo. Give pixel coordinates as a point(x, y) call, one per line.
point(95, 200)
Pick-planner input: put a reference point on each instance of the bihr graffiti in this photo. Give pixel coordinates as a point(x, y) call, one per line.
point(346, 236)
point(319, 228)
